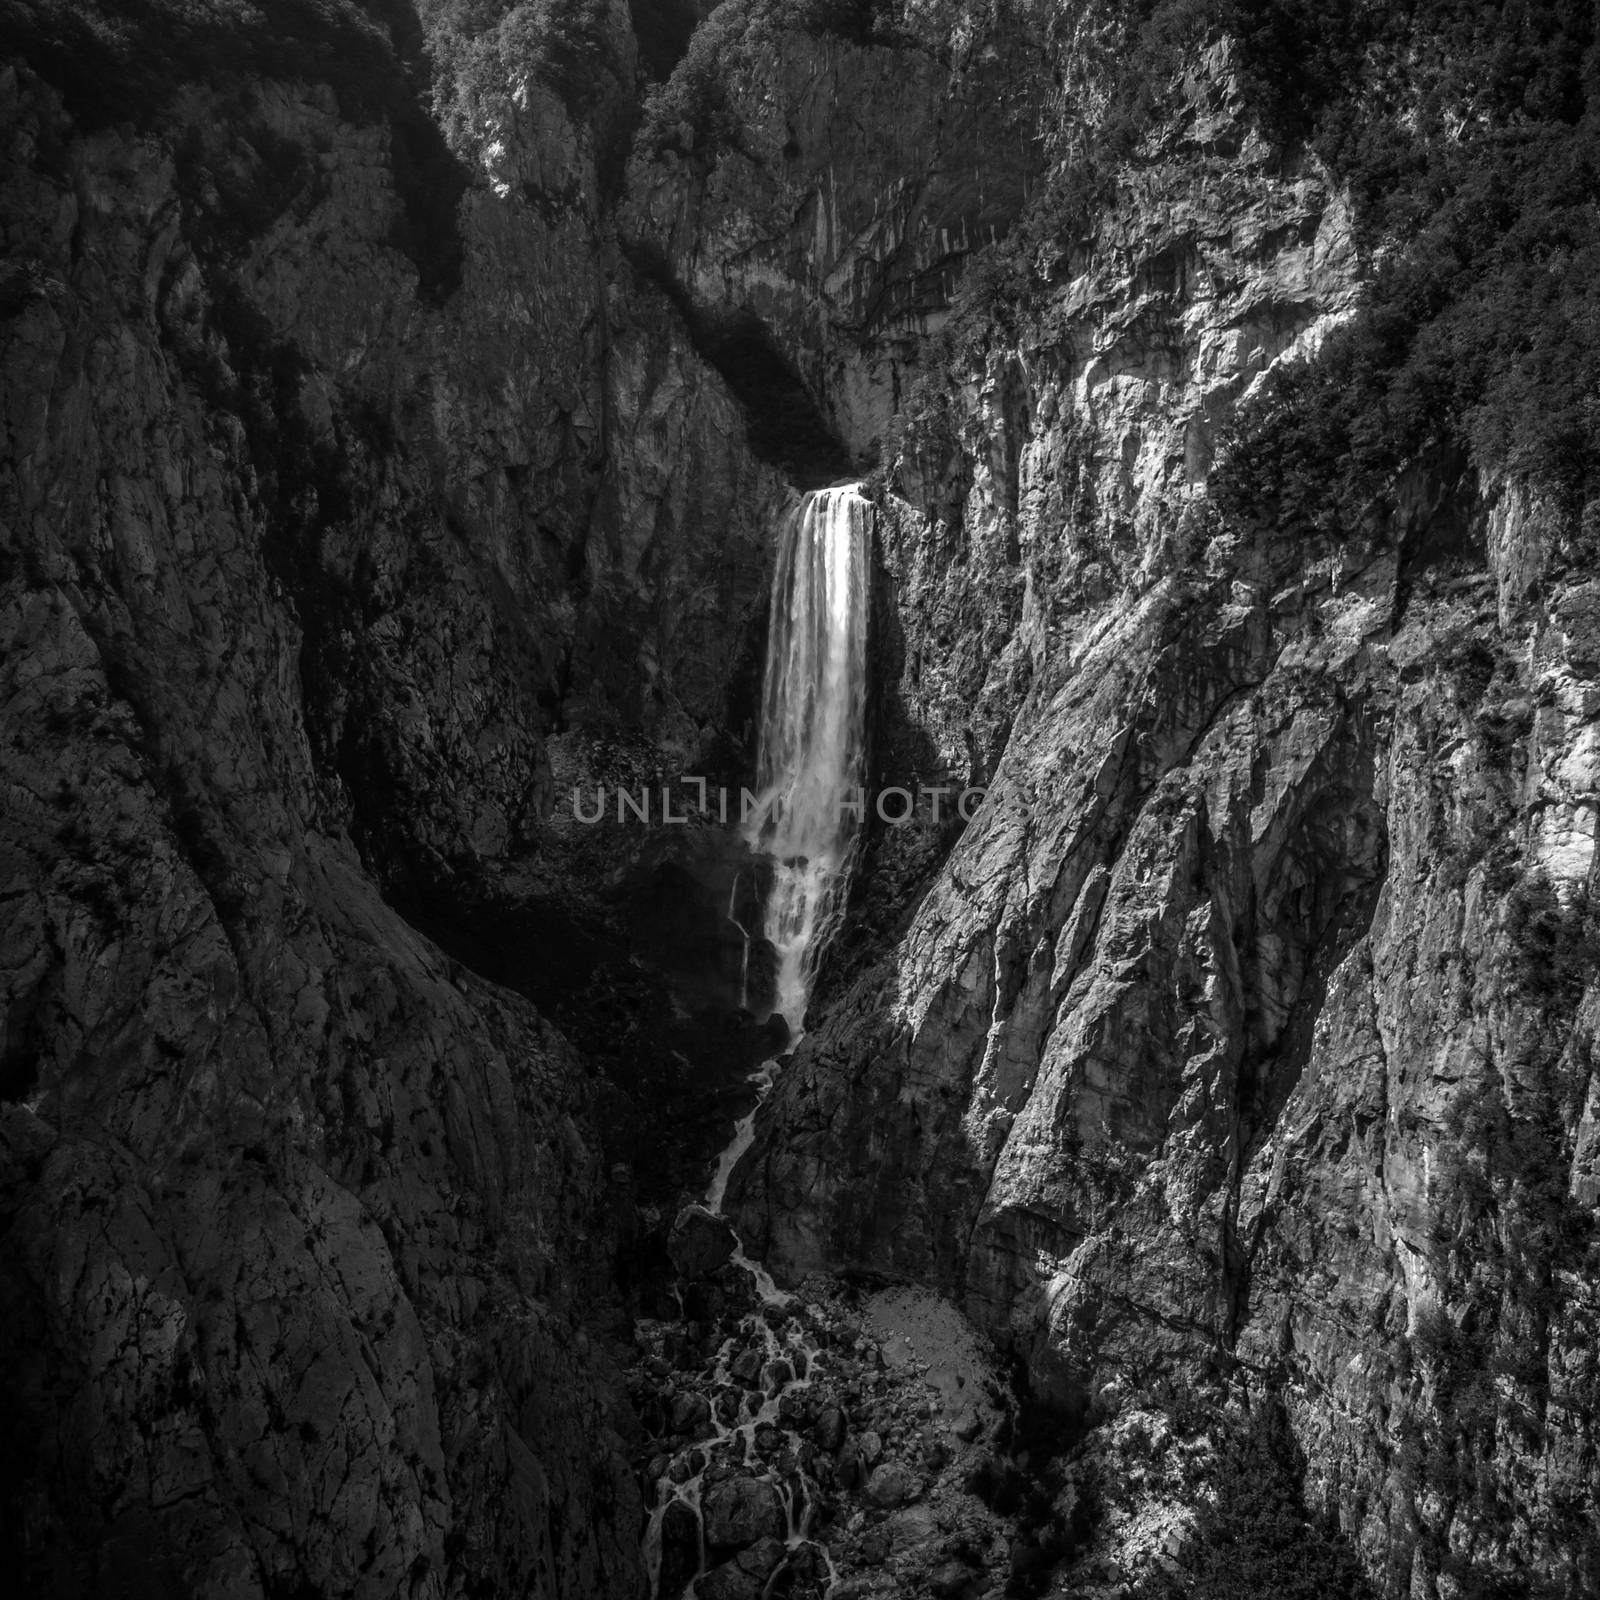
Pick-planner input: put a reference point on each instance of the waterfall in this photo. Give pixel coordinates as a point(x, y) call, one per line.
point(811, 757)
point(744, 935)
point(811, 754)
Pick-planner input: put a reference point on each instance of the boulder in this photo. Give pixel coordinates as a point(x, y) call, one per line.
point(763, 1557)
point(746, 1368)
point(913, 1527)
point(729, 1582)
point(829, 1430)
point(891, 1485)
point(804, 1574)
point(680, 1547)
point(949, 1580)
point(700, 1243)
point(689, 1412)
point(739, 1511)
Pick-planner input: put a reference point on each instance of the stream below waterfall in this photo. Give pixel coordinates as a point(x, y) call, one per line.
point(826, 1444)
point(810, 760)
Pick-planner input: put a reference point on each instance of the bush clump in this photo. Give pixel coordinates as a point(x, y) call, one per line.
point(693, 110)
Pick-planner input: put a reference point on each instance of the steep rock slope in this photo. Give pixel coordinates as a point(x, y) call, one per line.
point(813, 178)
point(296, 1210)
point(334, 458)
point(1241, 1048)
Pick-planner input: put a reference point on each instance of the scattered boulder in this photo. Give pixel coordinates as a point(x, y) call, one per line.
point(690, 1411)
point(871, 1447)
point(739, 1511)
point(891, 1485)
point(729, 1582)
point(700, 1243)
point(763, 1557)
point(680, 1547)
point(829, 1431)
point(805, 1573)
point(915, 1526)
point(949, 1580)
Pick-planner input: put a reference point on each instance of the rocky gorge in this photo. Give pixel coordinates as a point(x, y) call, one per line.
point(1182, 1179)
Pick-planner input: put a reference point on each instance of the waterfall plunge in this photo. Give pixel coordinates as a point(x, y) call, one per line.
point(813, 733)
point(811, 754)
point(813, 727)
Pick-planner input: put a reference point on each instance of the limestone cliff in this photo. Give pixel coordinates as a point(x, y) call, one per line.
point(1240, 1047)
point(334, 458)
point(397, 403)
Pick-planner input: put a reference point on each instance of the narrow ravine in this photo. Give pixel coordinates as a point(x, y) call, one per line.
point(811, 758)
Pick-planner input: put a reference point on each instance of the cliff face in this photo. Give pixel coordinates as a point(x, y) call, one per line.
point(1242, 1041)
point(332, 463)
point(385, 458)
point(300, 1216)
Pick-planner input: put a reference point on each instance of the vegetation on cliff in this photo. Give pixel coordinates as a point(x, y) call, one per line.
point(1467, 132)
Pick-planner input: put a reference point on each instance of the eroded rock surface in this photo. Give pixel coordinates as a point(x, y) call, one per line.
point(1263, 965)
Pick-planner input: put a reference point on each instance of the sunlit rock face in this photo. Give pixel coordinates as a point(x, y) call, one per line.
point(1176, 1062)
point(385, 457)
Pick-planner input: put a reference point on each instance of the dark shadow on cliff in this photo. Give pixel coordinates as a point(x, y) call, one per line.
point(662, 28)
point(123, 61)
point(676, 1075)
point(784, 424)
point(1031, 1480)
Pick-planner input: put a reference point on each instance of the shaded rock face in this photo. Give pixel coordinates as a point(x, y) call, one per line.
point(312, 529)
point(833, 221)
point(301, 1220)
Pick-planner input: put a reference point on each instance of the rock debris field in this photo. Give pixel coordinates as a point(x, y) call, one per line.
point(835, 1443)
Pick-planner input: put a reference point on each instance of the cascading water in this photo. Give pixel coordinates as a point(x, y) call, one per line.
point(813, 731)
point(809, 769)
point(811, 757)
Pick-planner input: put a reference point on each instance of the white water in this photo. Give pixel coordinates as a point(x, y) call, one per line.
point(734, 1442)
point(811, 755)
point(810, 758)
point(744, 934)
point(813, 731)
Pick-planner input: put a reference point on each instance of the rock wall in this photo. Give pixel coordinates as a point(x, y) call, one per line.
point(341, 469)
point(383, 457)
point(1241, 1043)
